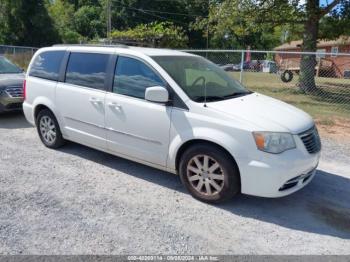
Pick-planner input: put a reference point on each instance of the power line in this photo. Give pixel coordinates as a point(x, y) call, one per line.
point(161, 12)
point(170, 13)
point(203, 1)
point(154, 15)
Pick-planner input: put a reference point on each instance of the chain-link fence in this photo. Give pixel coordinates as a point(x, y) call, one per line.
point(20, 55)
point(318, 83)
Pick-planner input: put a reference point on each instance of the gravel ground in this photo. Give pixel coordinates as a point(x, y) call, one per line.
point(81, 201)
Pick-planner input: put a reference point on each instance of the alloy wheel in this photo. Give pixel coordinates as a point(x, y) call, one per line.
point(205, 175)
point(48, 129)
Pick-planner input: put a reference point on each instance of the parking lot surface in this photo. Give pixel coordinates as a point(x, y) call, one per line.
point(77, 200)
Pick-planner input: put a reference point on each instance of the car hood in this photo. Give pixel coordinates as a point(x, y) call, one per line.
point(266, 113)
point(11, 79)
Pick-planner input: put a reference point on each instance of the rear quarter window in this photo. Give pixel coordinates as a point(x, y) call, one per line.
point(47, 65)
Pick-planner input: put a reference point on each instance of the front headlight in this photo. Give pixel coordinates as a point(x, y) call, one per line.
point(273, 142)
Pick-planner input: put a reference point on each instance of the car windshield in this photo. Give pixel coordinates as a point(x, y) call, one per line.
point(200, 79)
point(6, 67)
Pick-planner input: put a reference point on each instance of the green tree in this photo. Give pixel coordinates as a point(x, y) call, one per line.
point(62, 13)
point(88, 23)
point(130, 13)
point(26, 22)
point(313, 14)
point(309, 15)
point(337, 23)
point(231, 25)
point(159, 34)
point(301, 17)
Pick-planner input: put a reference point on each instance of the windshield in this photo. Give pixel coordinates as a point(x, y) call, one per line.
point(6, 67)
point(200, 79)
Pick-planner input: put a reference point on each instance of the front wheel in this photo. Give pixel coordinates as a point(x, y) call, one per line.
point(48, 129)
point(209, 173)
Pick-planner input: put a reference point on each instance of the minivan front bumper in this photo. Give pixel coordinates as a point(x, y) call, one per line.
point(277, 175)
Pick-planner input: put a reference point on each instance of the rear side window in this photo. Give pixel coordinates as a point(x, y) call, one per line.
point(87, 69)
point(47, 65)
point(132, 77)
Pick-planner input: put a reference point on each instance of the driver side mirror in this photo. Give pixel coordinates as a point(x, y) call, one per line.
point(157, 94)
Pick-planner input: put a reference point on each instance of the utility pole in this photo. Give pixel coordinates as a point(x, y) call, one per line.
point(208, 25)
point(109, 20)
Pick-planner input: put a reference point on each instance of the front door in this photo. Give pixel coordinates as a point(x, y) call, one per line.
point(135, 127)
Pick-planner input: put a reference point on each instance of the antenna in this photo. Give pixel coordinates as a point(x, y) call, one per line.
point(205, 93)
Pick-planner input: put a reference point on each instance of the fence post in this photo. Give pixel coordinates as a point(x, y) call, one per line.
point(241, 73)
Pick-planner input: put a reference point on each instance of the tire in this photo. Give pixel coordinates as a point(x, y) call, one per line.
point(49, 130)
point(287, 76)
point(227, 178)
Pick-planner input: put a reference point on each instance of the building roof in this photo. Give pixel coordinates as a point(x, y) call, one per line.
point(344, 40)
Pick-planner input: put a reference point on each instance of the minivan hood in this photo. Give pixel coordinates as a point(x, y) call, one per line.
point(266, 113)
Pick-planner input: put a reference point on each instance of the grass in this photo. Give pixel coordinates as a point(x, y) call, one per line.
point(331, 103)
point(22, 60)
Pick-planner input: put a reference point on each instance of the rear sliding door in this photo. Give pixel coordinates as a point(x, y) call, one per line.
point(81, 98)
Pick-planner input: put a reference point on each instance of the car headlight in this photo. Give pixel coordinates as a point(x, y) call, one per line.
point(274, 142)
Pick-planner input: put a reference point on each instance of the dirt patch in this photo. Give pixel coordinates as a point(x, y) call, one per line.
point(333, 215)
point(335, 128)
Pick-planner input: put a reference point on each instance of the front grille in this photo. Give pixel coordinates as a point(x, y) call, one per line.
point(14, 91)
point(311, 140)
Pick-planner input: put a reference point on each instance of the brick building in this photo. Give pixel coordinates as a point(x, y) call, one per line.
point(332, 65)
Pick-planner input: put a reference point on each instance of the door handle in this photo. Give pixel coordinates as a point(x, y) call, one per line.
point(95, 100)
point(115, 105)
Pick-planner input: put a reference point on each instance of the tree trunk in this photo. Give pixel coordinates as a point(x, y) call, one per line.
point(308, 62)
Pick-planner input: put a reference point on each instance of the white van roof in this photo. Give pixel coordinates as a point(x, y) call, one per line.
point(123, 49)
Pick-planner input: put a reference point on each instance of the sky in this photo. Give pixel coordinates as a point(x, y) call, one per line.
point(322, 2)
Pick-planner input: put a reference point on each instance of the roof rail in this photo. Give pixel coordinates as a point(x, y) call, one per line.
point(93, 45)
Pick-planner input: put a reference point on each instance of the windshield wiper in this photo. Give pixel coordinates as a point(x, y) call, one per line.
point(218, 98)
point(237, 94)
point(207, 98)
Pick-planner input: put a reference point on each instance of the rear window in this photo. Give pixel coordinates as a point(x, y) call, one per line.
point(87, 69)
point(7, 67)
point(47, 65)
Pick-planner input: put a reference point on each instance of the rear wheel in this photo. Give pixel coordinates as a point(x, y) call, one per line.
point(48, 129)
point(209, 173)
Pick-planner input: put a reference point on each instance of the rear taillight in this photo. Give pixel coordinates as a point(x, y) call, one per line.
point(24, 89)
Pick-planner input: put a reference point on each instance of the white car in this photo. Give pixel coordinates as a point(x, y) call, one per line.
point(173, 111)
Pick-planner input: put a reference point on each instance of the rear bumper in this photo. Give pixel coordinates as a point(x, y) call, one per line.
point(28, 112)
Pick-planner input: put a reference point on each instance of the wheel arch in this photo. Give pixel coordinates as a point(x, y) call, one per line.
point(197, 141)
point(39, 108)
point(41, 103)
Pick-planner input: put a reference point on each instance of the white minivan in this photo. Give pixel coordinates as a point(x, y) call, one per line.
point(173, 111)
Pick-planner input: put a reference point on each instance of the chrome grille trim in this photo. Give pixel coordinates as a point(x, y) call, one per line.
point(311, 140)
point(14, 91)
